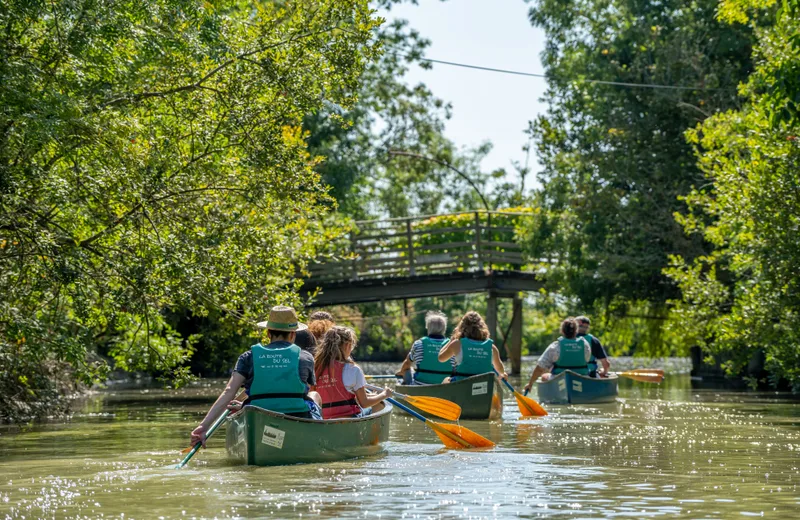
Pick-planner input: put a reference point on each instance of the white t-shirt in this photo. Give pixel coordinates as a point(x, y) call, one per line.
point(551, 354)
point(353, 377)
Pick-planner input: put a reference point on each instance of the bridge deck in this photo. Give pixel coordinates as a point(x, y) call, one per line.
point(426, 256)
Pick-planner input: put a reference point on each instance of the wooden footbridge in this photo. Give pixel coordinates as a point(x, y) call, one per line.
point(434, 255)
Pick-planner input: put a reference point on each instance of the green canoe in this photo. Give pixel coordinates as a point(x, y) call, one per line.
point(569, 387)
point(480, 397)
point(265, 438)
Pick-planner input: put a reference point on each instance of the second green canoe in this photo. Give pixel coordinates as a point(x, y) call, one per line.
point(260, 437)
point(480, 397)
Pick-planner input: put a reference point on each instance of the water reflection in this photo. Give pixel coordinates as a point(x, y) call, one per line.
point(659, 451)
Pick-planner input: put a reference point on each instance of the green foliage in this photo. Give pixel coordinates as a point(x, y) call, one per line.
point(459, 227)
point(745, 295)
point(151, 158)
point(392, 115)
point(614, 158)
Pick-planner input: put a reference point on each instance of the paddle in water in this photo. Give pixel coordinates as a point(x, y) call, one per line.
point(443, 408)
point(191, 450)
point(452, 435)
point(210, 432)
point(527, 406)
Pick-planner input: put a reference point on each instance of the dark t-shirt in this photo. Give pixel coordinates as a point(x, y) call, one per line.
point(306, 341)
point(244, 366)
point(597, 348)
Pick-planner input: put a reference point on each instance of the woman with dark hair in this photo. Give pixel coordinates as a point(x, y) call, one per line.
point(568, 352)
point(474, 351)
point(321, 315)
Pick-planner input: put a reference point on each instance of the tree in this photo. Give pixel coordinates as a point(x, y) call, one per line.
point(390, 114)
point(151, 157)
point(744, 295)
point(613, 155)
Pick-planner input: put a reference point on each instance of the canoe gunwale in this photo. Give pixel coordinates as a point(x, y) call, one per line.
point(575, 374)
point(277, 415)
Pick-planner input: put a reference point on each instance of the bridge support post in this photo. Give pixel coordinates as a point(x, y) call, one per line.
point(491, 318)
point(516, 335)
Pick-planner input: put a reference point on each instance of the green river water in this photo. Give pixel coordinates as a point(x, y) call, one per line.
point(660, 451)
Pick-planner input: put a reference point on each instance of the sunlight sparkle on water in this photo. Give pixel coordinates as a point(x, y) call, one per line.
point(667, 451)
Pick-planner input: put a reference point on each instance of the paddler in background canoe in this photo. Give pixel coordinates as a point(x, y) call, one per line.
point(473, 349)
point(318, 324)
point(277, 376)
point(340, 381)
point(424, 354)
point(568, 352)
point(598, 352)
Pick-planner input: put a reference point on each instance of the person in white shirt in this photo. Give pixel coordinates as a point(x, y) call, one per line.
point(566, 353)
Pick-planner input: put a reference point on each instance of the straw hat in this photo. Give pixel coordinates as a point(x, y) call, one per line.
point(282, 318)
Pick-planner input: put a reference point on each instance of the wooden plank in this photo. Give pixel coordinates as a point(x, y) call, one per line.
point(452, 256)
point(514, 255)
point(447, 245)
point(504, 260)
point(382, 274)
point(439, 231)
point(362, 239)
point(380, 225)
point(500, 229)
point(363, 251)
point(507, 245)
point(329, 266)
point(375, 262)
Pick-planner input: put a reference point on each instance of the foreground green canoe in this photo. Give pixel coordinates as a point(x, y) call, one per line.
point(480, 397)
point(265, 438)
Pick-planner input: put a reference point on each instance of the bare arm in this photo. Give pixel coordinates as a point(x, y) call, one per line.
point(537, 373)
point(227, 395)
point(606, 366)
point(449, 350)
point(405, 366)
point(497, 363)
point(366, 400)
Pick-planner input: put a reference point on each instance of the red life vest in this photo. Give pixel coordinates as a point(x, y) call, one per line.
point(337, 401)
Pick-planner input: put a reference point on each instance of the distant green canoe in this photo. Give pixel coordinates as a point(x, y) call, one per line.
point(569, 387)
point(265, 438)
point(480, 397)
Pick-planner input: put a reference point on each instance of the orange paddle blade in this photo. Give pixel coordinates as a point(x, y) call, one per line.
point(645, 370)
point(443, 408)
point(645, 376)
point(458, 437)
point(528, 407)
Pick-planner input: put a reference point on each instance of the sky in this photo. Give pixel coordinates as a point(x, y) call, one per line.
point(487, 106)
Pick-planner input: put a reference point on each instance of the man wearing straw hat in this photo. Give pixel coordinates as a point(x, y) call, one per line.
point(277, 376)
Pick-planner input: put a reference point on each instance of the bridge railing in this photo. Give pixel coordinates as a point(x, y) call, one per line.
point(432, 244)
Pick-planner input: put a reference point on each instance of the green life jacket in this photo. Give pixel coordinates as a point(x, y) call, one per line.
point(476, 357)
point(430, 370)
point(592, 360)
point(276, 380)
point(571, 356)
